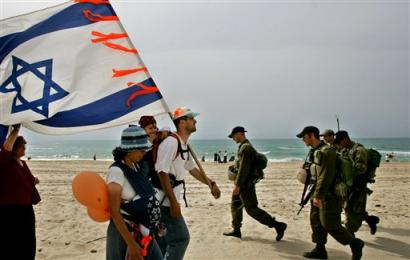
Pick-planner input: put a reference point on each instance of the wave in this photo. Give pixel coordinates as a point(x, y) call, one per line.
point(287, 159)
point(56, 157)
point(291, 148)
point(265, 152)
point(402, 153)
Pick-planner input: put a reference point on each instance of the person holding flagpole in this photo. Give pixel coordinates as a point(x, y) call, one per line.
point(174, 159)
point(18, 194)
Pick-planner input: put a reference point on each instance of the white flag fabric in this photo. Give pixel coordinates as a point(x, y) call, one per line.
point(72, 68)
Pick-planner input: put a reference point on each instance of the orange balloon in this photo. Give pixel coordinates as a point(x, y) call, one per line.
point(98, 215)
point(90, 190)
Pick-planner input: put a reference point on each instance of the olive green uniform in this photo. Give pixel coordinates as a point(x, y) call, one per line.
point(355, 206)
point(326, 218)
point(247, 198)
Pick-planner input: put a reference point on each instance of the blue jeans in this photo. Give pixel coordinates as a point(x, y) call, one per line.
point(117, 248)
point(175, 242)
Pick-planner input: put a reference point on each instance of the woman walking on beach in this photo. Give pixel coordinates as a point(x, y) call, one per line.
point(133, 206)
point(17, 196)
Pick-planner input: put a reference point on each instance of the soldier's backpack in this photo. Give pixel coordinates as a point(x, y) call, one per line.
point(260, 161)
point(259, 164)
point(373, 161)
point(347, 176)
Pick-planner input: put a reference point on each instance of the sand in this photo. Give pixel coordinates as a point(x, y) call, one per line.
point(64, 231)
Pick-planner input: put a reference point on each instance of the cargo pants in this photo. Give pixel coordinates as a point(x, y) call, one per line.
point(326, 219)
point(355, 210)
point(247, 199)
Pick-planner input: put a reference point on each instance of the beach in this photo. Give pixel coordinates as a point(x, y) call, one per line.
point(64, 231)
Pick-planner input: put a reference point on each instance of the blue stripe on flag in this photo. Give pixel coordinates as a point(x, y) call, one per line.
point(3, 134)
point(103, 110)
point(69, 17)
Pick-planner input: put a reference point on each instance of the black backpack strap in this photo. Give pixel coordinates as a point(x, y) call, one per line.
point(180, 151)
point(174, 182)
point(184, 195)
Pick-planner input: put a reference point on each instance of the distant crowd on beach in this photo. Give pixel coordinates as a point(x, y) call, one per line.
point(223, 158)
point(220, 157)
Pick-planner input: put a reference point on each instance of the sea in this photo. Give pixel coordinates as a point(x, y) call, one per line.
point(277, 150)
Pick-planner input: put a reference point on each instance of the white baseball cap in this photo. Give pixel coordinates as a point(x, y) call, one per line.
point(183, 111)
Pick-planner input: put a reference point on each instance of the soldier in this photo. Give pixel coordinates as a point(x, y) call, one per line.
point(244, 194)
point(328, 136)
point(326, 207)
point(355, 207)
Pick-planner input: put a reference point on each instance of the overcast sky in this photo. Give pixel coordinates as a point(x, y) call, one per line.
point(271, 66)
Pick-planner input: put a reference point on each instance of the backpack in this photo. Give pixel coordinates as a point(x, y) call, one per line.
point(347, 176)
point(373, 161)
point(259, 163)
point(159, 140)
point(147, 164)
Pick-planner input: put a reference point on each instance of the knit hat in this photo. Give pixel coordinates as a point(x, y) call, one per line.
point(134, 138)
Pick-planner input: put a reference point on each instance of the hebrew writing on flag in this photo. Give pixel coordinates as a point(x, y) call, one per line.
point(72, 68)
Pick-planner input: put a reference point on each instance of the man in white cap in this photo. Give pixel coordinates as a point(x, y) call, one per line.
point(172, 163)
point(328, 136)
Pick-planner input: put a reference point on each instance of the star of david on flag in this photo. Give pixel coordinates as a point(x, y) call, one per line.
point(72, 68)
point(39, 105)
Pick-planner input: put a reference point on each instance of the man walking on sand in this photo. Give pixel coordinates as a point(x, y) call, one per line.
point(326, 206)
point(355, 206)
point(172, 163)
point(244, 193)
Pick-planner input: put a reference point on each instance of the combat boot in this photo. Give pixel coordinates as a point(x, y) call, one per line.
point(280, 230)
point(236, 232)
point(372, 221)
point(319, 252)
point(357, 247)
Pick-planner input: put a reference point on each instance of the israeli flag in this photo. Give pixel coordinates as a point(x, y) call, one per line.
point(72, 68)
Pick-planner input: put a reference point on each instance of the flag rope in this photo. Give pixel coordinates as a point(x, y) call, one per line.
point(104, 37)
point(121, 73)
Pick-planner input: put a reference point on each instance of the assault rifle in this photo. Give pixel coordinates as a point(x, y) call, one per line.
point(308, 189)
